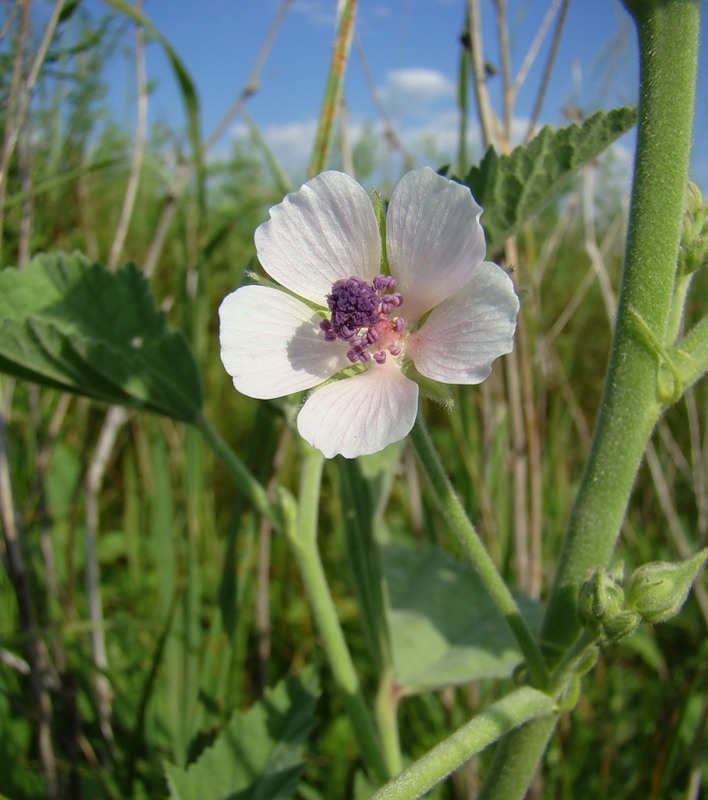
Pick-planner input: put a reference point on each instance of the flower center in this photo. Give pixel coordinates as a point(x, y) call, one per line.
point(361, 316)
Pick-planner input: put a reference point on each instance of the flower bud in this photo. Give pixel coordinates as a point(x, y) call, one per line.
point(621, 625)
point(693, 253)
point(601, 608)
point(599, 597)
point(658, 590)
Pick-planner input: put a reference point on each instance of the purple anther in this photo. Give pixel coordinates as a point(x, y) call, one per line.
point(380, 357)
point(329, 332)
point(382, 282)
point(394, 349)
point(399, 324)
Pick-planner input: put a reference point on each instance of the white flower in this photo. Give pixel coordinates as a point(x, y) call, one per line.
point(322, 243)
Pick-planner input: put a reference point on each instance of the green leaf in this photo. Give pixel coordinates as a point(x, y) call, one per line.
point(258, 756)
point(72, 325)
point(444, 628)
point(512, 188)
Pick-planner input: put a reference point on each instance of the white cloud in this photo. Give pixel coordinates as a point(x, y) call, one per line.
point(413, 86)
point(293, 141)
point(432, 139)
point(290, 142)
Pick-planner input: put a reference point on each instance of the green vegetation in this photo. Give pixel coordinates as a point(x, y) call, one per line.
point(156, 635)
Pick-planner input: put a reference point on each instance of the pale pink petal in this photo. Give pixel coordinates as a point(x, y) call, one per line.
point(434, 239)
point(464, 334)
point(325, 231)
point(362, 414)
point(271, 343)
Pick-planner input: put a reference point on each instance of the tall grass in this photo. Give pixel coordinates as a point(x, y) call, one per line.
point(191, 605)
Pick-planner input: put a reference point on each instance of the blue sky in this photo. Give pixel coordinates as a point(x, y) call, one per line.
point(411, 50)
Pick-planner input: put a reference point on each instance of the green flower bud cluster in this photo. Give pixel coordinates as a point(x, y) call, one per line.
point(654, 592)
point(601, 608)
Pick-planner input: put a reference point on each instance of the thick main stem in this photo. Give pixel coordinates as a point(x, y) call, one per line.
point(668, 45)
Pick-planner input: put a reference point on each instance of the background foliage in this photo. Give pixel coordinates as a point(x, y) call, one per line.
point(157, 607)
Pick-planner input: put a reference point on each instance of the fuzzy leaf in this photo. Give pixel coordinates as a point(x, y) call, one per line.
point(258, 756)
point(512, 188)
point(444, 628)
point(73, 325)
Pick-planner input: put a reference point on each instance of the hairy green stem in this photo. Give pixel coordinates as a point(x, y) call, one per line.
point(301, 530)
point(508, 713)
point(466, 534)
point(668, 47)
point(516, 760)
